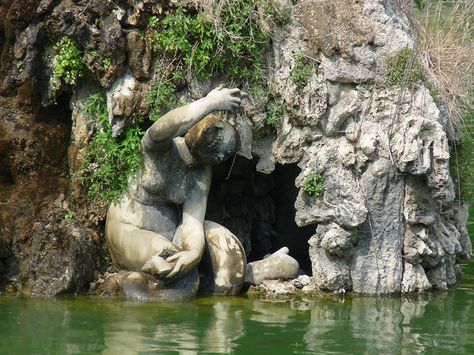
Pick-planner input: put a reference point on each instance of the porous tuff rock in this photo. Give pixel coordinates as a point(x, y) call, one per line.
point(386, 221)
point(41, 252)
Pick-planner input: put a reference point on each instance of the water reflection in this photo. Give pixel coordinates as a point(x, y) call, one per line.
point(225, 328)
point(388, 325)
point(392, 325)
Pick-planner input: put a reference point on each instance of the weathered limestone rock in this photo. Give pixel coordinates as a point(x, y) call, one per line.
point(383, 154)
point(282, 289)
point(377, 263)
point(330, 251)
point(414, 279)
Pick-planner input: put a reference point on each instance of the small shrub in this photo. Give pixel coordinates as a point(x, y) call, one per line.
point(462, 164)
point(404, 69)
point(314, 184)
point(108, 162)
point(153, 21)
point(258, 134)
point(302, 71)
point(274, 113)
point(67, 64)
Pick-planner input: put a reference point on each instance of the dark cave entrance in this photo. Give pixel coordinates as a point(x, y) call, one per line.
point(259, 209)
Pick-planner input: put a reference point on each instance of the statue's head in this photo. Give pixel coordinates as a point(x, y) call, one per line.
point(212, 140)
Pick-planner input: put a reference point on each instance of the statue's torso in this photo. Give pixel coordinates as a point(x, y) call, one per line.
point(157, 191)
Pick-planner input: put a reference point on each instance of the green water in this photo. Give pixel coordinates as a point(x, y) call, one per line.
point(434, 323)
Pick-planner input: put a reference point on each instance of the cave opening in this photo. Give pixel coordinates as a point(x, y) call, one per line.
point(259, 209)
point(59, 112)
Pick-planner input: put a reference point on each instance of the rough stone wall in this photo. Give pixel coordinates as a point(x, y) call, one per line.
point(386, 221)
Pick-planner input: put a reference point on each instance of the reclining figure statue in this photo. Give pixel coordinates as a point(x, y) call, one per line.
point(158, 226)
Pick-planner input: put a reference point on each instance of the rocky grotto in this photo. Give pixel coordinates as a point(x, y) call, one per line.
point(346, 168)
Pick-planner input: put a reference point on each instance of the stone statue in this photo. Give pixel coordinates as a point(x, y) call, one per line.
point(158, 226)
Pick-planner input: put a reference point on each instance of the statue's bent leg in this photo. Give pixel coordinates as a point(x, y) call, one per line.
point(223, 263)
point(137, 249)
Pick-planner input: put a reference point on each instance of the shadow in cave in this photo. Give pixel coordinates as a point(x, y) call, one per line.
point(287, 232)
point(259, 209)
point(58, 112)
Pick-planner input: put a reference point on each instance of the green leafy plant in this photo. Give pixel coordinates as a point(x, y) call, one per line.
point(153, 21)
point(404, 69)
point(302, 70)
point(225, 35)
point(462, 164)
point(106, 63)
point(108, 162)
point(67, 64)
point(420, 4)
point(274, 113)
point(314, 184)
point(258, 134)
point(69, 216)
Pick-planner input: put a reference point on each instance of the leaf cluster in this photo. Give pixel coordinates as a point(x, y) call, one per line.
point(274, 113)
point(404, 69)
point(302, 71)
point(207, 45)
point(108, 162)
point(314, 184)
point(67, 64)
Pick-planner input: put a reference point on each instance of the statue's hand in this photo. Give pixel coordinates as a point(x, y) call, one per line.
point(157, 266)
point(223, 99)
point(185, 261)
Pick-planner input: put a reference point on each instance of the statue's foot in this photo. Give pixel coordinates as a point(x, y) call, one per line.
point(141, 286)
point(278, 265)
point(157, 266)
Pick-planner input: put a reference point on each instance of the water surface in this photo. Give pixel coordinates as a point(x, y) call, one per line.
point(432, 323)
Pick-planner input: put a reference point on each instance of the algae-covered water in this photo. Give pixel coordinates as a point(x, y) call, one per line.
point(441, 323)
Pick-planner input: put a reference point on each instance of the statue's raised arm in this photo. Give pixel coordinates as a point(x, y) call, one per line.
point(178, 121)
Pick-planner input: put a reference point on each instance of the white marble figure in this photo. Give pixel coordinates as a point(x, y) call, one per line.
point(158, 225)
